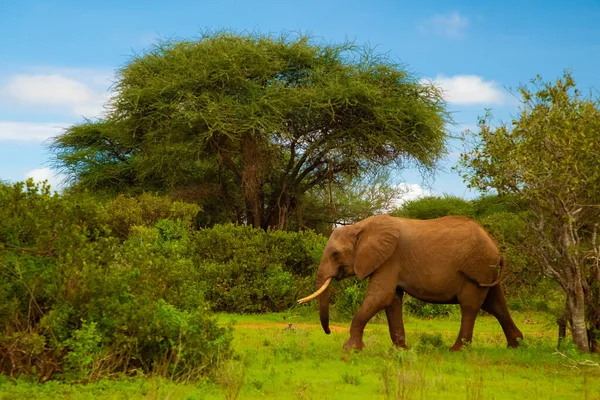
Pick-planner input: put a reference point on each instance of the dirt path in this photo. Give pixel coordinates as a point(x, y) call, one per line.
point(336, 328)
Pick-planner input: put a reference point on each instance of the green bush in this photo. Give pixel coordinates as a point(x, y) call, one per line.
point(426, 310)
point(523, 273)
point(435, 207)
point(249, 270)
point(440, 206)
point(75, 300)
point(347, 297)
point(429, 342)
point(146, 210)
point(493, 204)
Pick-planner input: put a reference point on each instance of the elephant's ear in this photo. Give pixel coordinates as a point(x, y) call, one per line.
point(376, 243)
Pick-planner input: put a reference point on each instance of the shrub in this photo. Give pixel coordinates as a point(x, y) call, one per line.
point(523, 274)
point(427, 310)
point(249, 270)
point(75, 300)
point(347, 297)
point(430, 341)
point(146, 210)
point(435, 207)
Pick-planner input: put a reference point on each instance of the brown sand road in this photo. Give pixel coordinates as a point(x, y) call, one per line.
point(336, 328)
point(282, 325)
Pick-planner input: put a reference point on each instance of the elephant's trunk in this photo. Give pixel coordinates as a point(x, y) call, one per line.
point(323, 292)
point(324, 309)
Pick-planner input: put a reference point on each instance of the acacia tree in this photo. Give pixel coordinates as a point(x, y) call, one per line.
point(255, 121)
point(549, 157)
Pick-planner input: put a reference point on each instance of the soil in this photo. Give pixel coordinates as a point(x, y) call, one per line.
point(336, 328)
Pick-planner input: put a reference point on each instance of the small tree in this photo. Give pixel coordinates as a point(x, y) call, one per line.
point(255, 121)
point(550, 156)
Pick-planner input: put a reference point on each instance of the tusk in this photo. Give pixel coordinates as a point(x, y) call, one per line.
point(317, 293)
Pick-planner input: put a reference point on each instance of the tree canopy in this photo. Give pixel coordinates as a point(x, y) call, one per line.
point(548, 156)
point(252, 122)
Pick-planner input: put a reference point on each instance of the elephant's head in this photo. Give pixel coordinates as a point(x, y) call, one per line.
point(357, 249)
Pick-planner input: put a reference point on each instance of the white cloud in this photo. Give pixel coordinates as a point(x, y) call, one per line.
point(98, 79)
point(48, 90)
point(54, 92)
point(29, 131)
point(46, 174)
point(410, 191)
point(469, 89)
point(451, 25)
point(65, 91)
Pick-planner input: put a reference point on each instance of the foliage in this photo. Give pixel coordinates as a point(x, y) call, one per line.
point(426, 310)
point(146, 210)
point(435, 207)
point(548, 157)
point(76, 301)
point(347, 297)
point(524, 276)
point(250, 123)
point(430, 207)
point(243, 269)
point(429, 342)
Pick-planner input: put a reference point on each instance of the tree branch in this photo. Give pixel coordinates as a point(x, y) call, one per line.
point(305, 155)
point(231, 164)
point(317, 163)
point(290, 163)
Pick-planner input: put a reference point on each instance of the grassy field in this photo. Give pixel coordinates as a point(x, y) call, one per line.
point(281, 361)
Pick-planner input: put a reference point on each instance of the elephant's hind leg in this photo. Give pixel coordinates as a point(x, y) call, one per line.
point(470, 299)
point(495, 304)
point(393, 313)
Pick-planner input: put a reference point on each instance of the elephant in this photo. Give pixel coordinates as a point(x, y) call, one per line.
point(448, 260)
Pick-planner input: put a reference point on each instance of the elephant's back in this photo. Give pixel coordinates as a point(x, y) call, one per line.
point(452, 224)
point(452, 238)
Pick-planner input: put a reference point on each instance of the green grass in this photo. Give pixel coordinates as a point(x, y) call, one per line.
point(274, 360)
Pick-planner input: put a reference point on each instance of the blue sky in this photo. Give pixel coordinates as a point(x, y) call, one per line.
point(57, 58)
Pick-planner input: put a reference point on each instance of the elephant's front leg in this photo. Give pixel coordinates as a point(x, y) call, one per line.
point(380, 294)
point(393, 313)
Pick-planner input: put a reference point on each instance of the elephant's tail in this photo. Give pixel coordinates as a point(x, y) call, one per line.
point(502, 264)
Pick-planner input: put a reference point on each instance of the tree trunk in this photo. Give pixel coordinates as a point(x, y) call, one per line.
point(562, 326)
point(252, 179)
point(280, 211)
point(253, 214)
point(594, 302)
point(594, 336)
point(576, 301)
point(576, 304)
